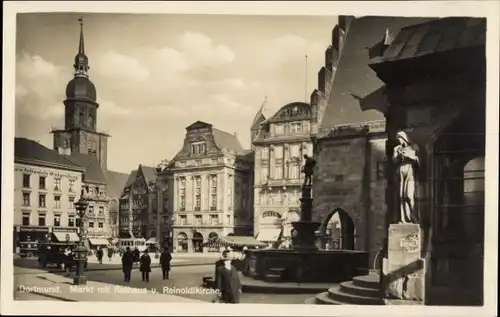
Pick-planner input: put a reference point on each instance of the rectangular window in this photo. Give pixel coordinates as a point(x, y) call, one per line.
point(71, 201)
point(278, 152)
point(197, 193)
point(278, 171)
point(26, 218)
point(41, 182)
point(182, 194)
point(26, 199)
point(57, 220)
point(214, 219)
point(91, 209)
point(294, 171)
point(295, 127)
point(57, 184)
point(230, 192)
point(77, 222)
point(228, 219)
point(279, 129)
point(198, 148)
point(41, 220)
point(339, 178)
point(101, 210)
point(71, 221)
point(41, 201)
point(165, 220)
point(26, 181)
point(198, 220)
point(183, 219)
point(100, 225)
point(91, 224)
point(295, 151)
point(213, 192)
point(71, 185)
point(57, 202)
point(265, 175)
point(264, 154)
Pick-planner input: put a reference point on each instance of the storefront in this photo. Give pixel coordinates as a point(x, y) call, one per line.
point(65, 234)
point(23, 234)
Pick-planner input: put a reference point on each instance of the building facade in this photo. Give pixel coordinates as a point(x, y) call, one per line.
point(280, 144)
point(139, 213)
point(46, 185)
point(208, 188)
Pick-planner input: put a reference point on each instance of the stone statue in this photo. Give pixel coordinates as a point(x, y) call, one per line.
point(308, 169)
point(405, 156)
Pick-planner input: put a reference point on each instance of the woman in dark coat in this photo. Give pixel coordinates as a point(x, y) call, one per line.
point(145, 266)
point(165, 259)
point(127, 263)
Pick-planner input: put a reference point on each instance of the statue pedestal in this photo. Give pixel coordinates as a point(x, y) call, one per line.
point(403, 269)
point(306, 235)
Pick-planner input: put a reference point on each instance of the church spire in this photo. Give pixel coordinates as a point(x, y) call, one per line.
point(81, 60)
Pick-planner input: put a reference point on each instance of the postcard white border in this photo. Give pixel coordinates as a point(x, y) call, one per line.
point(488, 9)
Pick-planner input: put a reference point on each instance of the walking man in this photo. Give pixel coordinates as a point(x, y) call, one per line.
point(165, 259)
point(145, 266)
point(99, 254)
point(228, 281)
point(127, 263)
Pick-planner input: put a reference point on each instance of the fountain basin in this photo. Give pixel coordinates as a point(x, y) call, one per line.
point(306, 266)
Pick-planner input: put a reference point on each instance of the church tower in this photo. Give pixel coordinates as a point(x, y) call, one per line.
point(80, 134)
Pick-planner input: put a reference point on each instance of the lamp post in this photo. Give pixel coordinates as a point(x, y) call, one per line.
point(81, 251)
point(159, 196)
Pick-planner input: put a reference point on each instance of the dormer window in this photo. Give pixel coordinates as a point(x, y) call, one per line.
point(295, 127)
point(199, 148)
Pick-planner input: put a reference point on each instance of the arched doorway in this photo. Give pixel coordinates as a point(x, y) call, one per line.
point(270, 227)
point(182, 242)
point(212, 242)
point(338, 231)
point(457, 255)
point(197, 242)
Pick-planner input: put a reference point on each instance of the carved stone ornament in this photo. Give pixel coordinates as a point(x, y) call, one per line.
point(410, 243)
point(272, 148)
point(286, 147)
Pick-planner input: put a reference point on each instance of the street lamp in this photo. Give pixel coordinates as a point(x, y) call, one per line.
point(81, 251)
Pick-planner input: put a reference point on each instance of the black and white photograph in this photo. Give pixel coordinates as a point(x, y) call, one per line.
point(280, 161)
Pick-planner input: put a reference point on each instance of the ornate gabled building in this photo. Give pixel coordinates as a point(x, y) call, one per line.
point(280, 143)
point(81, 142)
point(209, 188)
point(139, 213)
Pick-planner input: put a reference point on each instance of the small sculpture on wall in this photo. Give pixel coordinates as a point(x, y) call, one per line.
point(405, 156)
point(308, 169)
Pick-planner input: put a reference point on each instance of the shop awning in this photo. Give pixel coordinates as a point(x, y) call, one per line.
point(269, 235)
point(61, 236)
point(98, 241)
point(234, 241)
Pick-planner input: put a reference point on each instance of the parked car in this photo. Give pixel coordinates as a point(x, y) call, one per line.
point(52, 253)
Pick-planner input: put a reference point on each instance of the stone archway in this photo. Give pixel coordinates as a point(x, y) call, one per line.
point(342, 228)
point(197, 242)
point(182, 242)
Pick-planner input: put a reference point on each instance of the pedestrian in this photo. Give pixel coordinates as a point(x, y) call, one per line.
point(145, 266)
point(137, 255)
point(227, 281)
point(110, 253)
point(99, 254)
point(165, 259)
point(127, 263)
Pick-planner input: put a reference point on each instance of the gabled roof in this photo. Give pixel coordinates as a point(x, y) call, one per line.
point(93, 171)
point(259, 117)
point(354, 79)
point(33, 152)
point(131, 178)
point(436, 36)
point(198, 124)
point(115, 183)
point(149, 173)
point(227, 141)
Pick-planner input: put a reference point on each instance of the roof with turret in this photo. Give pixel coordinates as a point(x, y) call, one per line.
point(354, 79)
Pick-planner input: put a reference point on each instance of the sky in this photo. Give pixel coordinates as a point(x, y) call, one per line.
point(156, 74)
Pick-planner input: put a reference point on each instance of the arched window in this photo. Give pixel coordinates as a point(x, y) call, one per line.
point(182, 242)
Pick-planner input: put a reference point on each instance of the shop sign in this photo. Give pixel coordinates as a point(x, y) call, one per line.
point(34, 229)
point(54, 229)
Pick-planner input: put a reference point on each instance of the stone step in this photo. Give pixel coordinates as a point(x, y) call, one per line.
point(324, 299)
point(336, 294)
point(369, 281)
point(272, 278)
point(350, 288)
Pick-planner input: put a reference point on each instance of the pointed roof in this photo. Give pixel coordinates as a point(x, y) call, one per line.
point(131, 178)
point(115, 182)
point(148, 172)
point(354, 79)
point(259, 117)
point(31, 152)
point(93, 171)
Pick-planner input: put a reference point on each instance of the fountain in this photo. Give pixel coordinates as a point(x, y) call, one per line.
point(304, 263)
